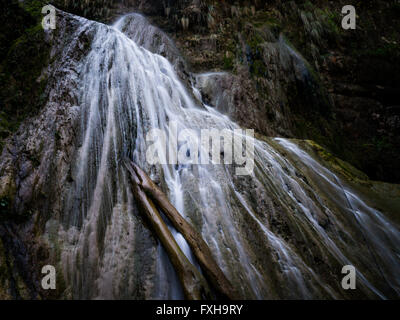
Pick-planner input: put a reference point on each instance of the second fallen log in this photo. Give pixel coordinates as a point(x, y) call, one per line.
point(209, 266)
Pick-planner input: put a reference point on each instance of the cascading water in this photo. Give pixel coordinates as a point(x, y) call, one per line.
point(285, 231)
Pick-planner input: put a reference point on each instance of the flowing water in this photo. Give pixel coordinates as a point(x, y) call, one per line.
point(285, 231)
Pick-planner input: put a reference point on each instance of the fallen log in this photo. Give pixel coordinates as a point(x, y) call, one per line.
point(194, 285)
point(213, 273)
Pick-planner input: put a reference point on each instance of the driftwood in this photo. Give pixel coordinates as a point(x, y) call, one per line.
point(213, 273)
point(194, 285)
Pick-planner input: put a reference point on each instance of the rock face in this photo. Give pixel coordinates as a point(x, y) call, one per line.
point(283, 231)
point(357, 115)
point(35, 162)
point(267, 109)
point(138, 28)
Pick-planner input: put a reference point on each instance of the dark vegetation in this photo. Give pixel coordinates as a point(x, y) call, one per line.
point(23, 55)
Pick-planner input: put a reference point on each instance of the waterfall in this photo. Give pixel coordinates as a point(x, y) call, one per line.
point(284, 231)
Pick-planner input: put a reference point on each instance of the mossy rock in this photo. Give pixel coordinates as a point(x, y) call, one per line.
point(336, 164)
point(384, 197)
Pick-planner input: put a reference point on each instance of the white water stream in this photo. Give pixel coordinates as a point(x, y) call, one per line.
point(264, 230)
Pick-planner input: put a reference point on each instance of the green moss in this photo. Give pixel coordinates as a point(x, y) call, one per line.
point(228, 63)
point(265, 18)
point(340, 166)
point(255, 39)
point(308, 6)
point(331, 20)
point(384, 197)
point(34, 7)
point(254, 56)
point(258, 68)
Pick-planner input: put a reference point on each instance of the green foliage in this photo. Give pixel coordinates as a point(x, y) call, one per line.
point(24, 55)
point(14, 20)
point(265, 18)
point(331, 20)
point(34, 8)
point(254, 54)
point(308, 6)
point(258, 68)
point(228, 63)
point(382, 144)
